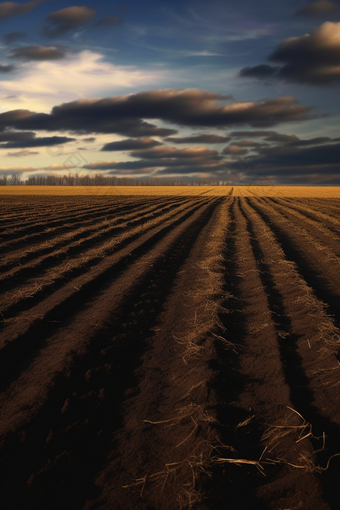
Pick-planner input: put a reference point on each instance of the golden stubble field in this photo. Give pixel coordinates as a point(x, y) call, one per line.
point(238, 191)
point(170, 347)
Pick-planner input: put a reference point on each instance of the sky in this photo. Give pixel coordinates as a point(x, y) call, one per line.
point(241, 92)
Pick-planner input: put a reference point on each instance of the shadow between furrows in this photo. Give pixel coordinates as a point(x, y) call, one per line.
point(57, 220)
point(52, 461)
point(227, 483)
point(301, 394)
point(44, 235)
point(31, 272)
point(313, 215)
point(67, 208)
point(313, 279)
point(35, 338)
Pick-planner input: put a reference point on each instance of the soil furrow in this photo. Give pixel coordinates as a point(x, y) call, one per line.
point(318, 210)
point(264, 400)
point(29, 333)
point(54, 227)
point(308, 348)
point(321, 273)
point(55, 215)
point(67, 445)
point(318, 228)
point(58, 268)
point(104, 378)
point(170, 350)
point(84, 234)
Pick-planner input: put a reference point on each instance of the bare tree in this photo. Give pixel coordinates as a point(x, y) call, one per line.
point(15, 179)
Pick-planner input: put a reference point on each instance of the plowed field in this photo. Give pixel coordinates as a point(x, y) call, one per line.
point(170, 351)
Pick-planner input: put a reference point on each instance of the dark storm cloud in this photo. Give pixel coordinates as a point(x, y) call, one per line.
point(79, 120)
point(37, 142)
point(247, 143)
point(5, 68)
point(165, 166)
point(198, 139)
point(13, 36)
point(169, 158)
point(312, 141)
point(288, 159)
point(320, 8)
point(39, 52)
point(313, 58)
point(108, 21)
point(191, 169)
point(70, 18)
point(119, 165)
point(13, 136)
point(268, 136)
point(280, 138)
point(16, 169)
point(124, 114)
point(9, 9)
point(130, 144)
point(171, 152)
point(251, 134)
point(287, 140)
point(234, 150)
point(273, 136)
point(260, 71)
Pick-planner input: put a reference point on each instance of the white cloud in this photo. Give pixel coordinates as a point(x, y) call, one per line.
point(57, 166)
point(41, 85)
point(17, 168)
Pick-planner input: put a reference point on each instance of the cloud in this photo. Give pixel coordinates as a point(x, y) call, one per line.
point(5, 169)
point(42, 84)
point(247, 143)
point(126, 115)
point(321, 8)
point(167, 159)
point(133, 167)
point(60, 22)
point(39, 52)
point(155, 166)
point(22, 153)
point(89, 139)
point(14, 136)
point(198, 139)
point(289, 159)
point(270, 136)
point(248, 134)
point(311, 141)
point(234, 150)
point(5, 68)
point(187, 169)
point(313, 58)
point(108, 21)
point(37, 142)
point(261, 71)
point(130, 144)
point(172, 152)
point(279, 137)
point(81, 124)
point(13, 36)
point(58, 166)
point(9, 9)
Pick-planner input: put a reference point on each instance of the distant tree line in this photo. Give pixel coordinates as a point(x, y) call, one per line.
point(101, 180)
